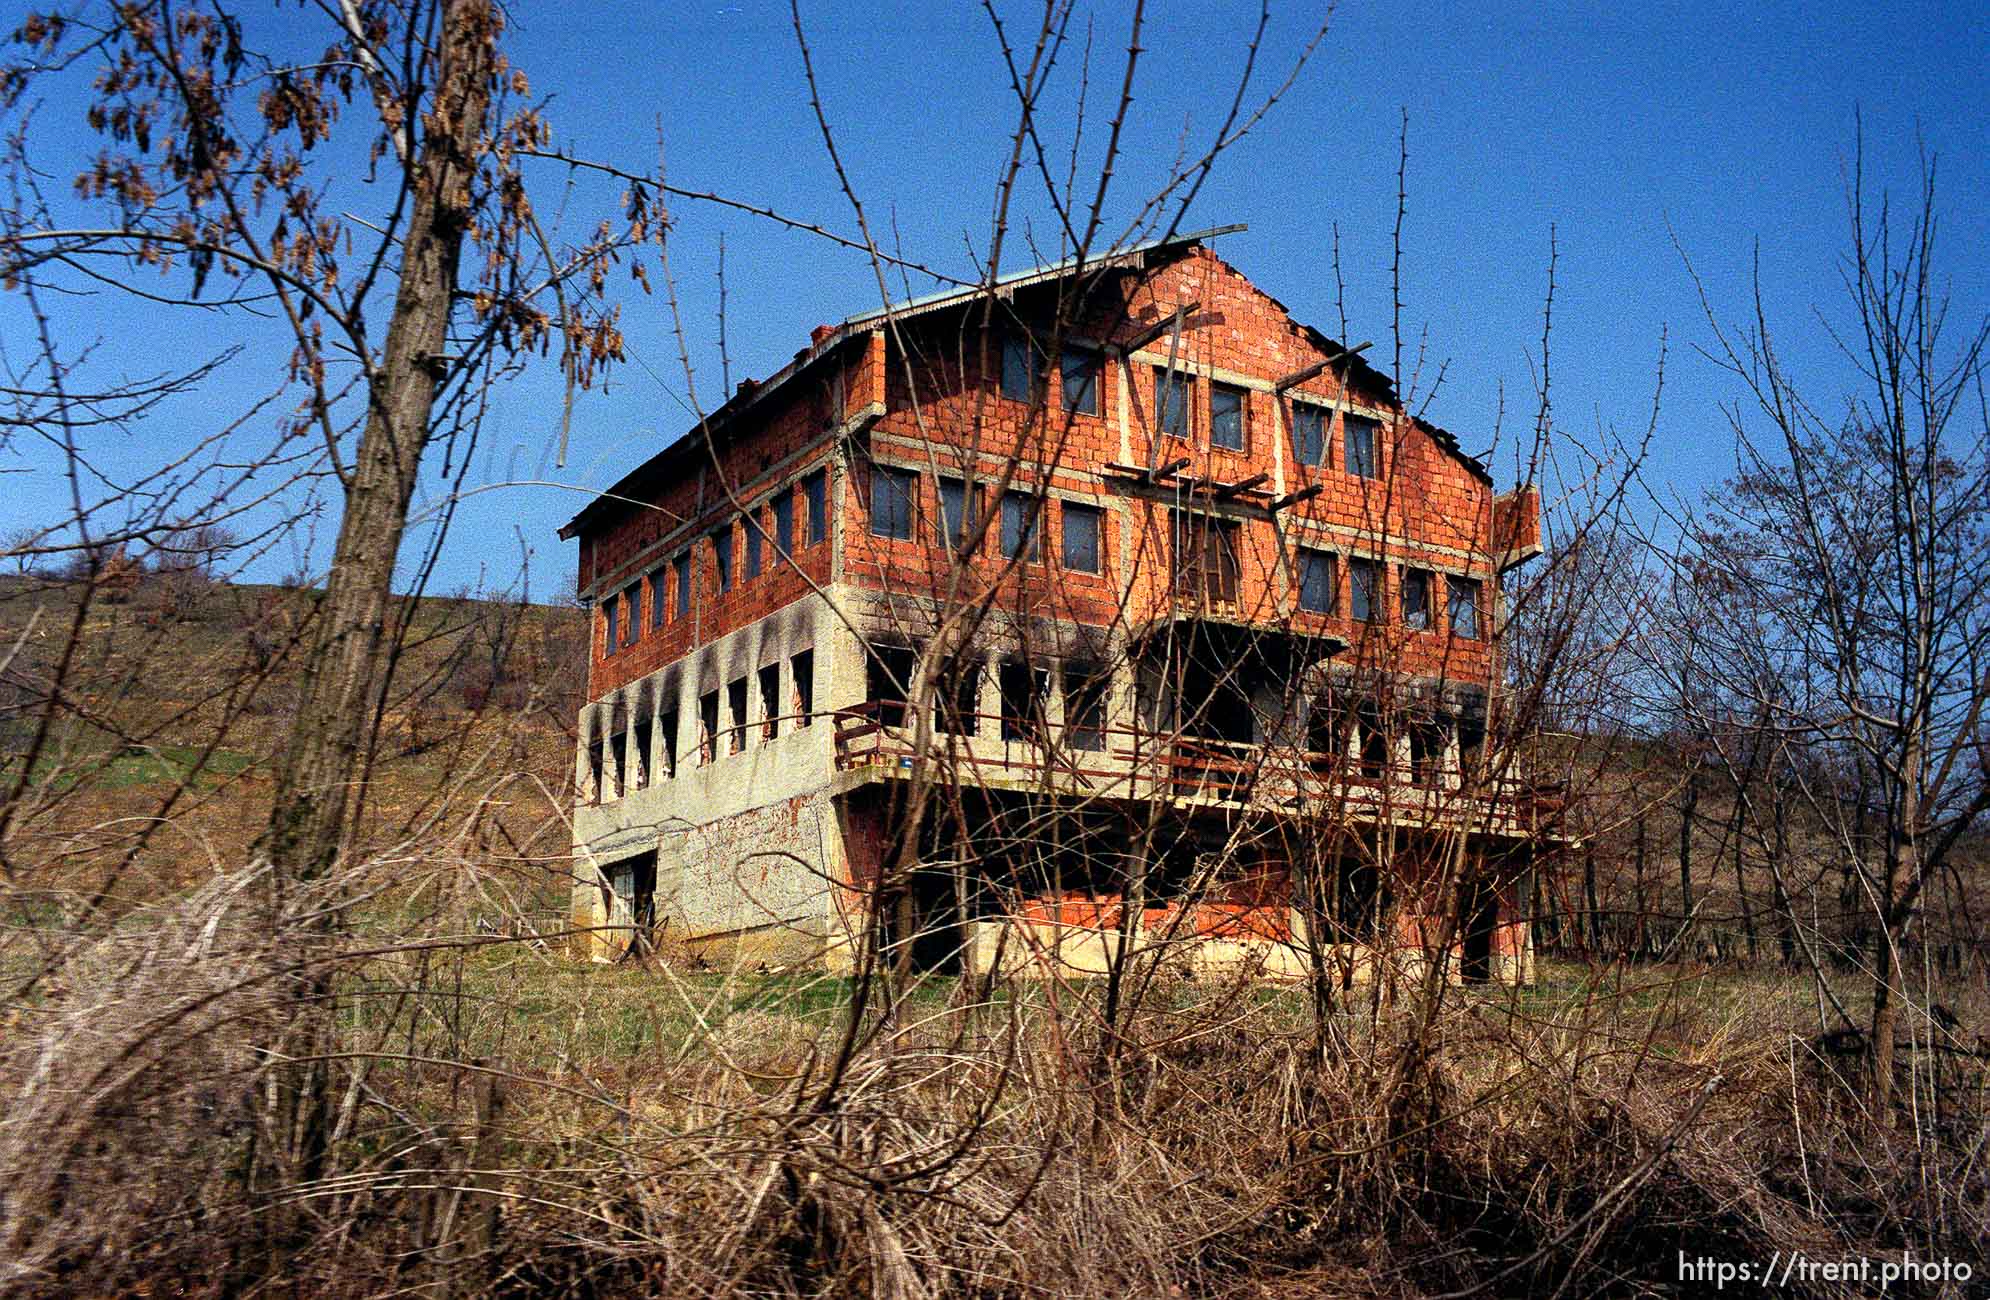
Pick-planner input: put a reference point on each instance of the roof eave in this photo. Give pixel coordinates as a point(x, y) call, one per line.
point(745, 399)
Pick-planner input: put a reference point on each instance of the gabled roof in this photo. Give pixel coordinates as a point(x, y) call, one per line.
point(1006, 284)
point(723, 423)
point(1447, 440)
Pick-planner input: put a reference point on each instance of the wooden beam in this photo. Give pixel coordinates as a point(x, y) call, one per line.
point(1301, 376)
point(1241, 486)
point(1294, 498)
point(1146, 474)
point(1158, 328)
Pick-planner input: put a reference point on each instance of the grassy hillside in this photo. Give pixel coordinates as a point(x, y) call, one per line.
point(392, 1081)
point(153, 767)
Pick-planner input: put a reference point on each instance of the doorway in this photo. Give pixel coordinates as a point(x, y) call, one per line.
point(1478, 917)
point(632, 904)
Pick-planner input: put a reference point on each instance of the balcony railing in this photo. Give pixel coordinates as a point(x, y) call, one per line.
point(1136, 763)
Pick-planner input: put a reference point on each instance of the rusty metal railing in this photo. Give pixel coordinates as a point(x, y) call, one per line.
point(1141, 763)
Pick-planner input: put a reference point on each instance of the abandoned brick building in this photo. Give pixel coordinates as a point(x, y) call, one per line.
point(1207, 623)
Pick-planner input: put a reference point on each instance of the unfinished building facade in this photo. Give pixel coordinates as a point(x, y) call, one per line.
point(1013, 629)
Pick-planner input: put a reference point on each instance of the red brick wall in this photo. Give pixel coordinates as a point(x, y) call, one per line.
point(944, 417)
point(1425, 499)
point(790, 440)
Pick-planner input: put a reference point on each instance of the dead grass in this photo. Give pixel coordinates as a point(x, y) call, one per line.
point(394, 1083)
point(501, 1121)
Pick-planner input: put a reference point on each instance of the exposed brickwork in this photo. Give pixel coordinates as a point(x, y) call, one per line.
point(854, 409)
point(789, 442)
point(1425, 508)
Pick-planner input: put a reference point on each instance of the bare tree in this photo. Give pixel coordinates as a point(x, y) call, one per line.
point(212, 166)
point(1849, 557)
point(356, 1065)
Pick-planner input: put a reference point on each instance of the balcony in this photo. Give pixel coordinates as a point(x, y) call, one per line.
point(1131, 764)
point(1517, 527)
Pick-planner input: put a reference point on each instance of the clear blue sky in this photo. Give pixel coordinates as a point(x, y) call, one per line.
point(1729, 122)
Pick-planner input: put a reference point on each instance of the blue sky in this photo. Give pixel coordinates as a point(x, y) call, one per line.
point(1621, 127)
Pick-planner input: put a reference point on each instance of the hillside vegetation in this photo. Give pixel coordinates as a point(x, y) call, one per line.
point(155, 773)
point(513, 1122)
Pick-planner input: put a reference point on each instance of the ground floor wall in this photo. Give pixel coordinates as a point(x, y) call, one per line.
point(753, 886)
point(795, 881)
point(1084, 936)
point(1247, 919)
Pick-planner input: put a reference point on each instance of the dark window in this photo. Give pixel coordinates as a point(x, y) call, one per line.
point(770, 701)
point(1471, 739)
point(1375, 746)
point(1020, 532)
point(1326, 728)
point(1226, 417)
point(1416, 598)
point(1172, 390)
point(1361, 590)
point(1361, 434)
point(1309, 435)
point(1085, 688)
point(1360, 900)
point(736, 715)
point(708, 726)
point(611, 615)
point(754, 535)
point(594, 753)
point(891, 501)
point(1206, 567)
point(958, 513)
point(632, 881)
point(1464, 594)
point(1317, 581)
point(802, 666)
point(1081, 537)
point(816, 488)
point(1024, 690)
point(666, 725)
point(828, 401)
point(658, 602)
point(1081, 381)
point(1428, 742)
point(887, 673)
point(632, 615)
point(1019, 367)
point(722, 556)
point(644, 734)
point(784, 526)
point(681, 570)
point(618, 749)
point(957, 696)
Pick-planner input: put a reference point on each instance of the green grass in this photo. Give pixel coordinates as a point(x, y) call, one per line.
point(136, 766)
point(173, 763)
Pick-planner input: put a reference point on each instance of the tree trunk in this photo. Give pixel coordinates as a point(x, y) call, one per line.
point(1741, 879)
point(1896, 913)
point(1641, 937)
point(323, 760)
point(1593, 910)
point(345, 676)
point(1786, 917)
point(1686, 864)
point(1886, 1014)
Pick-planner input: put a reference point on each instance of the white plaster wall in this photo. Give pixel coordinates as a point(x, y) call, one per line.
point(747, 841)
